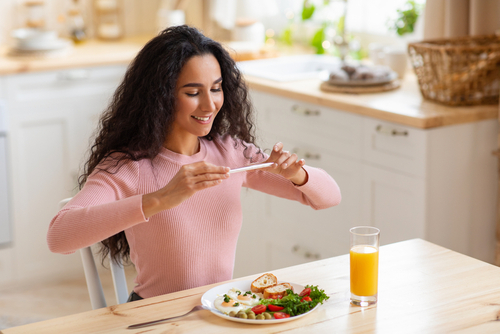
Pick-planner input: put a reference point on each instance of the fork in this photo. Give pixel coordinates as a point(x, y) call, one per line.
point(154, 322)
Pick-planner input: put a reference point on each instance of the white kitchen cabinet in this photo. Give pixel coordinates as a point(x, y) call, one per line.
point(394, 203)
point(51, 118)
point(436, 184)
point(251, 253)
point(393, 177)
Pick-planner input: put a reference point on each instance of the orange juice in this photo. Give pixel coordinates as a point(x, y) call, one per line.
point(364, 270)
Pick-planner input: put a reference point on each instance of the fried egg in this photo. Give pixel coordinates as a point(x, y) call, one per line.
point(243, 297)
point(231, 305)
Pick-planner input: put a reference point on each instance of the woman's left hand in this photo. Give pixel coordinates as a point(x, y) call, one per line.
point(287, 165)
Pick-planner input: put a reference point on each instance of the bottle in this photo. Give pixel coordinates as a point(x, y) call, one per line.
point(76, 23)
point(35, 14)
point(108, 19)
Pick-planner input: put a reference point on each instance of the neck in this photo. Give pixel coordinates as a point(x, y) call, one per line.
point(185, 146)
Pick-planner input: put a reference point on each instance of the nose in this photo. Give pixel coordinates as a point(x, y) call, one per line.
point(207, 103)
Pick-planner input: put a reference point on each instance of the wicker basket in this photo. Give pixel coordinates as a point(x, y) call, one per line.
point(458, 71)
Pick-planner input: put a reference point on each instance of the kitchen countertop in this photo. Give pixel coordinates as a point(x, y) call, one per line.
point(423, 288)
point(90, 53)
point(97, 53)
point(403, 106)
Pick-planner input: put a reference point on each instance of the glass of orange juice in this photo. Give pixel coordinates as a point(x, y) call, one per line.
point(364, 265)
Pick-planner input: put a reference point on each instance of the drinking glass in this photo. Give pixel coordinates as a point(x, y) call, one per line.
point(364, 265)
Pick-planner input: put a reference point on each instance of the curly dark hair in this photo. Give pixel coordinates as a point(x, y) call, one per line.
point(140, 114)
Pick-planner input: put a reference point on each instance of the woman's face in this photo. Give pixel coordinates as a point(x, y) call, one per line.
point(199, 96)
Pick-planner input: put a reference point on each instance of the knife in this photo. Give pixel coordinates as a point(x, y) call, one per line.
point(250, 167)
point(154, 322)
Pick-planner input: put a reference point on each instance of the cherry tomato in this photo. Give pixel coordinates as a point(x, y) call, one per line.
point(306, 299)
point(259, 309)
point(305, 292)
point(281, 315)
point(274, 308)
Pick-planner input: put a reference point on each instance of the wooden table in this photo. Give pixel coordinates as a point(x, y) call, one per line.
point(423, 288)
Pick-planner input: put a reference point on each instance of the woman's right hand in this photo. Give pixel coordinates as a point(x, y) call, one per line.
point(188, 180)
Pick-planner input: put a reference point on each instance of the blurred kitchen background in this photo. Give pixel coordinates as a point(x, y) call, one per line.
point(60, 61)
point(284, 21)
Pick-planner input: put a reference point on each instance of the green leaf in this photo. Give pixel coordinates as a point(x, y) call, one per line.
point(286, 36)
point(341, 25)
point(307, 10)
point(292, 304)
point(405, 22)
point(317, 41)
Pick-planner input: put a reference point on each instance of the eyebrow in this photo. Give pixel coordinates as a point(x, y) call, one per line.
point(194, 84)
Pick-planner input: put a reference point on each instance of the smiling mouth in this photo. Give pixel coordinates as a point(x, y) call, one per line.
point(203, 119)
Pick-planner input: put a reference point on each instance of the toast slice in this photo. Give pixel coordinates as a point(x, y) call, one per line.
point(263, 282)
point(277, 291)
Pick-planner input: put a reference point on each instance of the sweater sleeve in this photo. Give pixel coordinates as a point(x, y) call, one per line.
point(319, 192)
point(107, 204)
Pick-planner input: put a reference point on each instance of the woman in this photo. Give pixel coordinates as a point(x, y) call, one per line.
point(156, 185)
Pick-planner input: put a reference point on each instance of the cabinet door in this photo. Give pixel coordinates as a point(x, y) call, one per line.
point(52, 116)
point(299, 233)
point(41, 150)
point(395, 147)
point(251, 252)
point(83, 122)
point(394, 203)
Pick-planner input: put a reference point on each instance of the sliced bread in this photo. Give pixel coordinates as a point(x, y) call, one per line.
point(263, 282)
point(277, 291)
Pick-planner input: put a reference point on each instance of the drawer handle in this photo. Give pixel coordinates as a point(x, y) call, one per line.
point(306, 154)
point(75, 75)
point(300, 251)
point(299, 110)
point(390, 132)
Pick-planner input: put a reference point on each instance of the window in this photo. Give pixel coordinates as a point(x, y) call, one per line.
point(366, 20)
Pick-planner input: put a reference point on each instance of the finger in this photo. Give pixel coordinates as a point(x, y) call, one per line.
point(214, 170)
point(297, 165)
point(206, 184)
point(290, 161)
point(282, 158)
point(275, 153)
point(203, 167)
point(200, 178)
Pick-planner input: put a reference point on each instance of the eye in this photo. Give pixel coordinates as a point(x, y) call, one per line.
point(214, 90)
point(192, 94)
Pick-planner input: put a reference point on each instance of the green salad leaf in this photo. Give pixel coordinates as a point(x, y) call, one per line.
point(292, 304)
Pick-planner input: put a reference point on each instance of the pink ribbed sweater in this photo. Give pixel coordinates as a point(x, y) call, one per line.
point(191, 245)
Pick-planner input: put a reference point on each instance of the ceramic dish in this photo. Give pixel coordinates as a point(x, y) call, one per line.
point(369, 82)
point(46, 45)
point(207, 300)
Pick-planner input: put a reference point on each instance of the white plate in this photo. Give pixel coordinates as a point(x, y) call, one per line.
point(45, 46)
point(207, 300)
point(369, 82)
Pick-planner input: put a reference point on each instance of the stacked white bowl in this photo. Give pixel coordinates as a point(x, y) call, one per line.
point(35, 40)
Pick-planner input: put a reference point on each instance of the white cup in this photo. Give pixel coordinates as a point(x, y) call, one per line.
point(376, 53)
point(167, 18)
point(253, 32)
point(397, 60)
point(109, 31)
